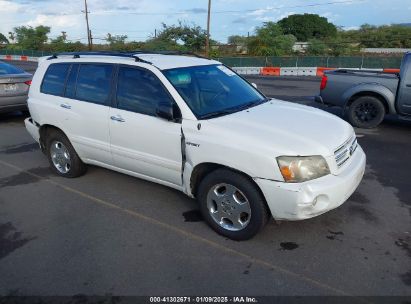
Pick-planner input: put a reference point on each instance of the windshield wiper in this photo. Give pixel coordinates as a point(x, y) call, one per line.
point(216, 114)
point(238, 108)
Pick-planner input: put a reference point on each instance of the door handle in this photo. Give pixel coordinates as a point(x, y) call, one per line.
point(408, 85)
point(117, 118)
point(65, 106)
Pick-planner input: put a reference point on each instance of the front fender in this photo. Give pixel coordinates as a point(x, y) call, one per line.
point(202, 146)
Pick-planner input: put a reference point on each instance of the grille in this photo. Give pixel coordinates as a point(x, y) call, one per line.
point(345, 151)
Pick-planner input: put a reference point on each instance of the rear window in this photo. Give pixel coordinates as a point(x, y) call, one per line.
point(9, 69)
point(55, 78)
point(94, 83)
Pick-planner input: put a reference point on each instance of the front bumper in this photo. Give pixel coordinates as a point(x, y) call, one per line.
point(298, 201)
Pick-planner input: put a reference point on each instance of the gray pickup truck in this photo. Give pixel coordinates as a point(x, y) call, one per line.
point(366, 96)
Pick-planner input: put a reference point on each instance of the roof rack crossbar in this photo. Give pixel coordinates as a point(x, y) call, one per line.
point(133, 54)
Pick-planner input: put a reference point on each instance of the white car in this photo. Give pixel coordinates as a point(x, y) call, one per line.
point(194, 125)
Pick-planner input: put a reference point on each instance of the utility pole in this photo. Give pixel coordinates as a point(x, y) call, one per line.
point(207, 48)
point(88, 27)
point(91, 41)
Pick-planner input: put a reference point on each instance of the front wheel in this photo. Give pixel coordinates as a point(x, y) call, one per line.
point(232, 204)
point(366, 112)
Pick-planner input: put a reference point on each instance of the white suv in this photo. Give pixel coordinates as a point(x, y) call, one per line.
point(194, 125)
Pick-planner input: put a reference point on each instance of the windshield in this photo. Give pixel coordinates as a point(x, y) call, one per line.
point(9, 69)
point(213, 90)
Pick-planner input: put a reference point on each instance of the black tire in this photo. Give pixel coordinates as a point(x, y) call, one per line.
point(259, 211)
point(77, 167)
point(366, 112)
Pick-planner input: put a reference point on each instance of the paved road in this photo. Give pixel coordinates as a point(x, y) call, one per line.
point(108, 233)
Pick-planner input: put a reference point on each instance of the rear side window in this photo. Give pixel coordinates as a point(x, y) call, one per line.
point(54, 79)
point(94, 83)
point(140, 91)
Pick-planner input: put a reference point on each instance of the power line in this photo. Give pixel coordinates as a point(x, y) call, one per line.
point(190, 11)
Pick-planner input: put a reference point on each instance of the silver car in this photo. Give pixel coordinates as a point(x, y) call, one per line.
point(14, 88)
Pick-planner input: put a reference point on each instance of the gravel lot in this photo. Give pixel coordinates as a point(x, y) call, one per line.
point(108, 233)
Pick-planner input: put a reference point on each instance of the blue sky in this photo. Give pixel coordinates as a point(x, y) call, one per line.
point(138, 18)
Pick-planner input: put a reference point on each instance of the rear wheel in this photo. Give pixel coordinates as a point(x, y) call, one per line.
point(366, 112)
point(62, 157)
point(232, 204)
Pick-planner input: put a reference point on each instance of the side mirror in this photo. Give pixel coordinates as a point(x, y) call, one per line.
point(165, 110)
point(254, 85)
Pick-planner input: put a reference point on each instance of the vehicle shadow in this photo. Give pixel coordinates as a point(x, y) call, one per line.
point(13, 117)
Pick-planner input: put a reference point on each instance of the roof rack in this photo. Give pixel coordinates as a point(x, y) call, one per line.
point(133, 54)
point(101, 53)
point(170, 53)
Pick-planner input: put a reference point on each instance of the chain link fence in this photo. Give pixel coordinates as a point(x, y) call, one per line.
point(365, 62)
point(25, 53)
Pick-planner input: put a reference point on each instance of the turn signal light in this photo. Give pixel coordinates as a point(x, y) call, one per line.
point(28, 82)
point(287, 174)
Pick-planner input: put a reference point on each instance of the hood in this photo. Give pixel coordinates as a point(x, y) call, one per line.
point(284, 128)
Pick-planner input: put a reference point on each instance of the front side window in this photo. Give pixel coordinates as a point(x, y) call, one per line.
point(54, 79)
point(94, 83)
point(213, 90)
point(140, 91)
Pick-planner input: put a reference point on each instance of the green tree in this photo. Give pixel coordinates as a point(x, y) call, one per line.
point(12, 36)
point(3, 39)
point(179, 37)
point(61, 44)
point(237, 40)
point(386, 36)
point(307, 26)
point(270, 41)
point(317, 47)
point(30, 38)
point(116, 42)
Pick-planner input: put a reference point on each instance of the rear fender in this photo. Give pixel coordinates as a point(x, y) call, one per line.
point(372, 89)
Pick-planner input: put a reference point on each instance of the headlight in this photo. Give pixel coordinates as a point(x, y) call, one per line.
point(297, 169)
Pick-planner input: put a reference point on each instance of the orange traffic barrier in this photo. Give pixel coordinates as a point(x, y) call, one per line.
point(8, 57)
point(24, 58)
point(393, 71)
point(272, 71)
point(321, 70)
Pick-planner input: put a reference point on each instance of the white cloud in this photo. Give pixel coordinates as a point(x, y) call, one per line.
point(9, 7)
point(59, 21)
point(332, 17)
